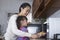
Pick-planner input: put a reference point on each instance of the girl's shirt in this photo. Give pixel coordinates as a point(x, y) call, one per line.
point(23, 38)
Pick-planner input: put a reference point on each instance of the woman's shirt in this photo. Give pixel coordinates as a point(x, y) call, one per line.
point(12, 29)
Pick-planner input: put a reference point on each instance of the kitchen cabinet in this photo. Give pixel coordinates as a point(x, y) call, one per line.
point(38, 7)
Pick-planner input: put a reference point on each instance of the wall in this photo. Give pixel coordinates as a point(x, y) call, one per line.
point(9, 6)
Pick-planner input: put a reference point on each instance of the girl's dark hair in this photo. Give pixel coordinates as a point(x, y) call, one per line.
point(24, 5)
point(20, 18)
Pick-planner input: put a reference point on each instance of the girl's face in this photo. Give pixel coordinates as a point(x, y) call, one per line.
point(24, 23)
point(25, 11)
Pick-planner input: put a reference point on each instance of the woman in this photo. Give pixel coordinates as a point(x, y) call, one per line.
point(12, 29)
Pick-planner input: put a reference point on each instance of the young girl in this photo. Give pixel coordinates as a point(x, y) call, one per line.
point(22, 25)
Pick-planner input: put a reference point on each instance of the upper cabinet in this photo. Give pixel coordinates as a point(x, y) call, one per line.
point(38, 7)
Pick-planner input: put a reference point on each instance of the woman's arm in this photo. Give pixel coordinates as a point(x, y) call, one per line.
point(12, 23)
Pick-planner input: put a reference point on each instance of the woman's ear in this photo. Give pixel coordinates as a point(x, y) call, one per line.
point(21, 9)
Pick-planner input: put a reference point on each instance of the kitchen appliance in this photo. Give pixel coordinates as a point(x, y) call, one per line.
point(34, 28)
point(37, 28)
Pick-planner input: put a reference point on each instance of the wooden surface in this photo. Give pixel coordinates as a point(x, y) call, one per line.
point(41, 39)
point(39, 7)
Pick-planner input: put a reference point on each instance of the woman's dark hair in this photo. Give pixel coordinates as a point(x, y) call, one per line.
point(24, 5)
point(20, 18)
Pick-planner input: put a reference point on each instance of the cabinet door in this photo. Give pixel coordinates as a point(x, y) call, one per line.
point(36, 4)
point(38, 7)
point(46, 2)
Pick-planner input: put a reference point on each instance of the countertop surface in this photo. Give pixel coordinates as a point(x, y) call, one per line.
point(40, 39)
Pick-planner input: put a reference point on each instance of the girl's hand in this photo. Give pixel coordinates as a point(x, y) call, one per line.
point(41, 34)
point(34, 36)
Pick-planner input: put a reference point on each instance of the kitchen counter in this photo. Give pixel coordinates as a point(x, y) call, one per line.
point(41, 39)
point(37, 39)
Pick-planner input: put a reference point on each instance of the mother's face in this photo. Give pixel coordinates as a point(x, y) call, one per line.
point(26, 10)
